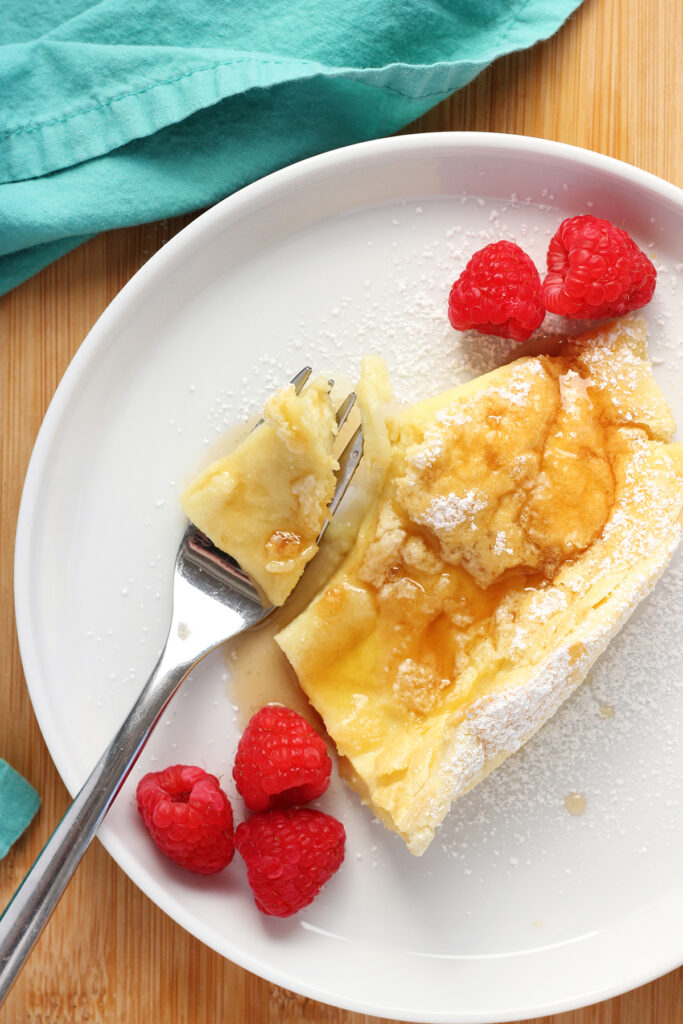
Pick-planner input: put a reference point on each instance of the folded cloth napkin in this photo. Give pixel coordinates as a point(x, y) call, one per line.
point(18, 804)
point(116, 112)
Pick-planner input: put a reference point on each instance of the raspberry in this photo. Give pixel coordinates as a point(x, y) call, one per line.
point(498, 292)
point(595, 270)
point(289, 855)
point(281, 760)
point(189, 817)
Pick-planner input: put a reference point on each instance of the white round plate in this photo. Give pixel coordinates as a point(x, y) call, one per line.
point(518, 908)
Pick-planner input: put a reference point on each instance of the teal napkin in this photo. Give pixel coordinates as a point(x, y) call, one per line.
point(18, 804)
point(123, 111)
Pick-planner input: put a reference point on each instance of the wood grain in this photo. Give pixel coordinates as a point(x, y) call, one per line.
point(610, 80)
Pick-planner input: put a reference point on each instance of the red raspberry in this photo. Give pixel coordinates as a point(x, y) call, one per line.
point(189, 817)
point(498, 292)
point(595, 270)
point(281, 760)
point(289, 855)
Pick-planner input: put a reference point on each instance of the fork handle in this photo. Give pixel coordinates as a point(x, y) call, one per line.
point(31, 906)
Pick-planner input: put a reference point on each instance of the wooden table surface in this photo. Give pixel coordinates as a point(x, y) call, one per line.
point(611, 80)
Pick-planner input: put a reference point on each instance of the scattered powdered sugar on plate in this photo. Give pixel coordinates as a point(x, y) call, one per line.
point(614, 759)
point(397, 304)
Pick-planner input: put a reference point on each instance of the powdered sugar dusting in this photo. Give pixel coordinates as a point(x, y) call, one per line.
point(431, 448)
point(580, 749)
point(546, 603)
point(500, 545)
point(447, 511)
point(516, 389)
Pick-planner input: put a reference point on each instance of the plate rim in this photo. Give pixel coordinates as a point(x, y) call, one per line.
point(100, 336)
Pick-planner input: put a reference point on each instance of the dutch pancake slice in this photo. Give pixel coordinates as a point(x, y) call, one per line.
point(521, 518)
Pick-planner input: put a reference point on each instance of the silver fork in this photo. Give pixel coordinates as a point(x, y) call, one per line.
point(213, 600)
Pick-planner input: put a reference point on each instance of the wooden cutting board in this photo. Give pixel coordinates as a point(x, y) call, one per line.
point(611, 80)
